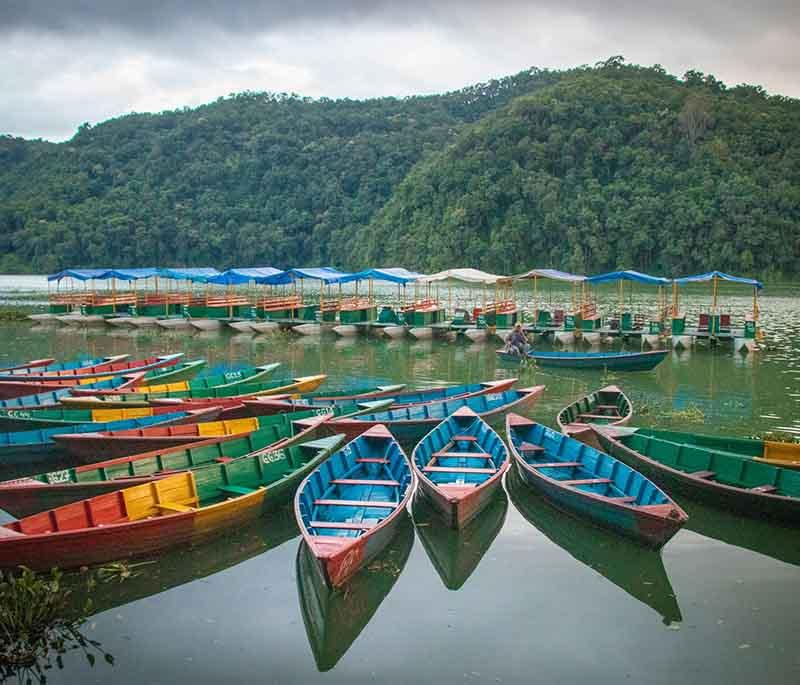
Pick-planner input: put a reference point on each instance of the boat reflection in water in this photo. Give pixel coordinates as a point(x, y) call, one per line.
point(455, 554)
point(763, 537)
point(185, 565)
point(636, 569)
point(335, 618)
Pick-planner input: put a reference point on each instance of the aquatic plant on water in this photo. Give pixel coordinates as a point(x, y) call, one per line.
point(38, 626)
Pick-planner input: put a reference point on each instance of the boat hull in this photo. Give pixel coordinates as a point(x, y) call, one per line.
point(727, 497)
point(265, 326)
point(459, 505)
point(394, 331)
point(174, 323)
point(241, 326)
point(206, 324)
point(616, 361)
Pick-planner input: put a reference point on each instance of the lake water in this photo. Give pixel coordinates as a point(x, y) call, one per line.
point(527, 594)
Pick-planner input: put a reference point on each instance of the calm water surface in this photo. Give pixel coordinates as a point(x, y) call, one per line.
point(527, 594)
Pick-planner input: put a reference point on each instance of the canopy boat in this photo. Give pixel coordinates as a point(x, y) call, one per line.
point(138, 399)
point(49, 365)
point(54, 397)
point(783, 454)
point(456, 553)
point(37, 445)
point(608, 406)
point(126, 442)
point(612, 361)
point(56, 417)
point(587, 482)
point(460, 466)
point(334, 619)
point(411, 423)
point(399, 400)
point(349, 509)
point(635, 569)
point(24, 496)
point(184, 508)
point(707, 474)
point(560, 321)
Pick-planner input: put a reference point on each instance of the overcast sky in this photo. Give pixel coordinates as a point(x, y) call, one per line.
point(63, 62)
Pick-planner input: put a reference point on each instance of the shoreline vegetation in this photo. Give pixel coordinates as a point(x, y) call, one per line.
point(589, 169)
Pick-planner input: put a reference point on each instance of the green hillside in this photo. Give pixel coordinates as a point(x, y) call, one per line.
point(586, 169)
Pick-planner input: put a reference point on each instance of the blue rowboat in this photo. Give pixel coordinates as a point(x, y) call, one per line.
point(460, 466)
point(349, 508)
point(54, 397)
point(399, 399)
point(616, 361)
point(412, 423)
point(37, 445)
point(581, 479)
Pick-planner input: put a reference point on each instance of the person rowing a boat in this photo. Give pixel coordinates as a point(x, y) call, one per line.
point(516, 341)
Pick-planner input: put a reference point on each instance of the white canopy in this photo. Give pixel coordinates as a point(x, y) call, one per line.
point(466, 276)
point(553, 274)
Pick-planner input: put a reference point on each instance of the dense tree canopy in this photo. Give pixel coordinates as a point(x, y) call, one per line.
point(586, 169)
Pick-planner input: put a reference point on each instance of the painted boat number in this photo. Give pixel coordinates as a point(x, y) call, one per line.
point(272, 457)
point(323, 411)
point(494, 396)
point(16, 414)
point(302, 403)
point(56, 477)
point(230, 375)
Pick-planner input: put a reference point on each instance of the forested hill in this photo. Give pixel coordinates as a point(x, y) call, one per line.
point(586, 169)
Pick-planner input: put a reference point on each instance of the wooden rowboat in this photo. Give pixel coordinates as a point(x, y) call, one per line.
point(410, 424)
point(334, 619)
point(121, 443)
point(49, 365)
point(456, 553)
point(25, 496)
point(783, 454)
point(608, 406)
point(709, 475)
point(55, 417)
point(349, 508)
point(184, 508)
point(229, 379)
point(134, 399)
point(15, 386)
point(37, 445)
point(399, 399)
point(612, 361)
point(54, 397)
point(586, 482)
point(460, 466)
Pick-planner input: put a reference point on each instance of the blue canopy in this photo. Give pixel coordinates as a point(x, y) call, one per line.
point(199, 274)
point(131, 274)
point(237, 276)
point(711, 275)
point(628, 275)
point(80, 274)
point(326, 274)
point(391, 274)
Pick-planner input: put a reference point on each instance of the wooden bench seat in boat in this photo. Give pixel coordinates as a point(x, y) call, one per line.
point(456, 469)
point(371, 460)
point(626, 499)
point(355, 503)
point(530, 447)
point(706, 475)
point(608, 407)
point(364, 481)
point(461, 455)
point(586, 481)
point(557, 465)
point(599, 416)
point(341, 525)
point(464, 438)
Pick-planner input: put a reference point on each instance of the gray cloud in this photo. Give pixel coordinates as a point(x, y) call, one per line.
point(80, 60)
